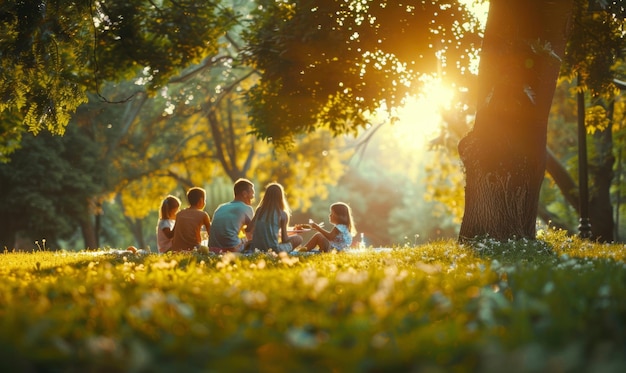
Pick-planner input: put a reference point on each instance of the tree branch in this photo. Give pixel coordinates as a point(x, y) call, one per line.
point(563, 180)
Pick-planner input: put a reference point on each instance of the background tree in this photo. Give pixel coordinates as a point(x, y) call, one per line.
point(504, 154)
point(599, 27)
point(594, 31)
point(330, 63)
point(619, 190)
point(53, 51)
point(48, 189)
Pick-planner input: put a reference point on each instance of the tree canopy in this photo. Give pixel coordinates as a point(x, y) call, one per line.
point(331, 63)
point(54, 51)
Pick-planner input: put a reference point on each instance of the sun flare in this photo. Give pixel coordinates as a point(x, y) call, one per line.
point(419, 120)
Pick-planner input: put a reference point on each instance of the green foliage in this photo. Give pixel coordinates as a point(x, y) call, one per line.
point(11, 134)
point(557, 303)
point(599, 30)
point(39, 48)
point(329, 63)
point(46, 189)
point(53, 51)
point(39, 43)
point(159, 38)
point(596, 119)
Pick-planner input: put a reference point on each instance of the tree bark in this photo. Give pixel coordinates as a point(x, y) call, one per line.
point(136, 227)
point(89, 233)
point(505, 153)
point(563, 180)
point(601, 172)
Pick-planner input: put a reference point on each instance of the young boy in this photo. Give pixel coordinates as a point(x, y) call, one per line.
point(189, 221)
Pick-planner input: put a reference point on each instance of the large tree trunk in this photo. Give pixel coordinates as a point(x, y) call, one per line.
point(505, 153)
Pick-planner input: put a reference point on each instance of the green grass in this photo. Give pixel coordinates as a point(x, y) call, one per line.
point(553, 305)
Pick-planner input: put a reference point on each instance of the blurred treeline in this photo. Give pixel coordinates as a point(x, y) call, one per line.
point(104, 179)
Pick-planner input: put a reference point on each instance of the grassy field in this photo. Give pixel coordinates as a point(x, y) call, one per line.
point(553, 305)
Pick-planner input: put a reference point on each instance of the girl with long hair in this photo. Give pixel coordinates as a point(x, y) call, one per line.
point(270, 222)
point(340, 236)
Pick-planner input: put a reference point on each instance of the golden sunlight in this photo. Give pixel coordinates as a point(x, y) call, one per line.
point(480, 8)
point(419, 120)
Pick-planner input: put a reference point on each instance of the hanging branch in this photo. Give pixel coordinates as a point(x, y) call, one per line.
point(95, 62)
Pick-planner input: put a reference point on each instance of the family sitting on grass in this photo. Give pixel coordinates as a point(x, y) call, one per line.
point(237, 227)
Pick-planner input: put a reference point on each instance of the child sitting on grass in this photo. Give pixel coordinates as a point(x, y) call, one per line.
point(269, 225)
point(189, 221)
point(165, 226)
point(338, 238)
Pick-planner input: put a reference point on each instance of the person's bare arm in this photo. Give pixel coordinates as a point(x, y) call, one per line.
point(169, 233)
point(283, 227)
point(207, 223)
point(330, 235)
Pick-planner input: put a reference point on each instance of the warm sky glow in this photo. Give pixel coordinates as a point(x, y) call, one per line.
point(420, 119)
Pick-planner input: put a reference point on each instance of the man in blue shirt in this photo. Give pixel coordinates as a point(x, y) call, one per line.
point(230, 220)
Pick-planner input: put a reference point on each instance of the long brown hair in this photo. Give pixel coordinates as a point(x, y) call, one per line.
point(343, 212)
point(273, 200)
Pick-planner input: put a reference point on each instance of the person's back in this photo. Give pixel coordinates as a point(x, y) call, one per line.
point(230, 219)
point(269, 225)
point(266, 231)
point(187, 229)
point(189, 222)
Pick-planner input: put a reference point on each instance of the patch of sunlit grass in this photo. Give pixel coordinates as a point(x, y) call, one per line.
point(557, 302)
